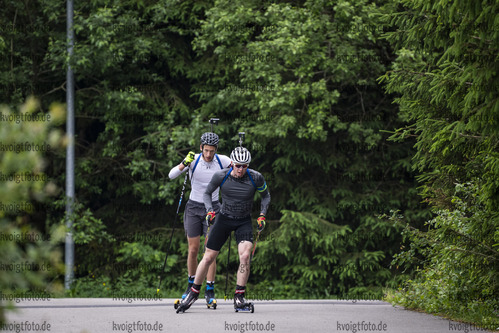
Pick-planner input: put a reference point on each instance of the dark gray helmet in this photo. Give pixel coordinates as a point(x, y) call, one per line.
point(240, 155)
point(210, 139)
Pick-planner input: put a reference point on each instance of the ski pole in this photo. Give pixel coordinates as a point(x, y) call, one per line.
point(206, 237)
point(227, 276)
point(173, 229)
point(254, 247)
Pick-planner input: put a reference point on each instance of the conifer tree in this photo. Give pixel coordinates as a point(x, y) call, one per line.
point(446, 77)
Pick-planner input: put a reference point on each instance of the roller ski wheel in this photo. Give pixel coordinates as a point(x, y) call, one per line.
point(211, 305)
point(248, 307)
point(181, 309)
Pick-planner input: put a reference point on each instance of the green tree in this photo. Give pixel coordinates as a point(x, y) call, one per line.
point(133, 114)
point(300, 80)
point(447, 82)
point(31, 260)
point(457, 261)
point(121, 97)
point(298, 77)
point(446, 78)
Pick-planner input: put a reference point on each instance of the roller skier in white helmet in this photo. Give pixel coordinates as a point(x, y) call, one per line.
point(237, 188)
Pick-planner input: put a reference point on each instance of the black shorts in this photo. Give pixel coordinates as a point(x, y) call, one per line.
point(222, 228)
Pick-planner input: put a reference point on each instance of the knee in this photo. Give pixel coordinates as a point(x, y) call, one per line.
point(209, 259)
point(244, 258)
point(193, 251)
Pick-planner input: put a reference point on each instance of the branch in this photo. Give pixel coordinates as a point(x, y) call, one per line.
point(477, 253)
point(471, 136)
point(61, 87)
point(411, 72)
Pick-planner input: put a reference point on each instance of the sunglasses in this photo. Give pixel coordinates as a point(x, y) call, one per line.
point(241, 165)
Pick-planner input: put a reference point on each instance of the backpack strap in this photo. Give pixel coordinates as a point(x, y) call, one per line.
point(259, 189)
point(219, 163)
point(195, 165)
point(225, 178)
point(197, 161)
point(251, 178)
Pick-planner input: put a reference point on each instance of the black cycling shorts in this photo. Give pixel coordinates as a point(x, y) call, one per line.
point(222, 228)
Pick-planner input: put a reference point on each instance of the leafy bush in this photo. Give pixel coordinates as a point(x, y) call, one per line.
point(30, 259)
point(457, 261)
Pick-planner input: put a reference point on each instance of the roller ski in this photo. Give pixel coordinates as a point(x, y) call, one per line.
point(240, 304)
point(184, 295)
point(209, 295)
point(188, 301)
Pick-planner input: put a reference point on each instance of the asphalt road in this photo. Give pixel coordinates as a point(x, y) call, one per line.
point(96, 315)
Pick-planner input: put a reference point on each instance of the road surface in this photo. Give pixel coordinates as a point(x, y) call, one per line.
point(97, 315)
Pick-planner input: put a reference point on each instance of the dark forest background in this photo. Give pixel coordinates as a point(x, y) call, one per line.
point(375, 124)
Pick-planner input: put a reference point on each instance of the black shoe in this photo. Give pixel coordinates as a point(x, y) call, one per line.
point(188, 301)
point(186, 292)
point(239, 301)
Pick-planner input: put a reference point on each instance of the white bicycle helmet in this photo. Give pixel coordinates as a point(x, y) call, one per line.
point(240, 155)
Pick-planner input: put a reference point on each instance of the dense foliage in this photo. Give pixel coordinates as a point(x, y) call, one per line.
point(447, 82)
point(31, 258)
point(301, 79)
point(301, 82)
point(456, 260)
